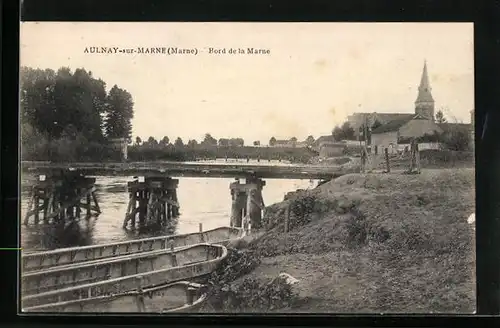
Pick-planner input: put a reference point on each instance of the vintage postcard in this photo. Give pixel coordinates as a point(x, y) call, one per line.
point(247, 167)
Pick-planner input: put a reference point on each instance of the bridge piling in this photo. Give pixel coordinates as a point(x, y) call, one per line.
point(59, 197)
point(151, 201)
point(247, 202)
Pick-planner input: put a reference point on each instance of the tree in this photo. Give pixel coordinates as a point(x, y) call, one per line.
point(272, 141)
point(50, 101)
point(192, 143)
point(440, 117)
point(138, 141)
point(152, 141)
point(256, 143)
point(346, 132)
point(457, 138)
point(209, 140)
point(376, 124)
point(164, 141)
point(119, 114)
point(223, 142)
point(236, 142)
point(310, 140)
point(178, 142)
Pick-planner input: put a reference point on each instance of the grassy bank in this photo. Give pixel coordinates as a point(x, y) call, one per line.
point(373, 243)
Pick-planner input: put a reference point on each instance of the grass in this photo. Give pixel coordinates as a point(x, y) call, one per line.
point(388, 243)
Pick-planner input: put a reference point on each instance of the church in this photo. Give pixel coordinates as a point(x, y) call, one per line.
point(399, 128)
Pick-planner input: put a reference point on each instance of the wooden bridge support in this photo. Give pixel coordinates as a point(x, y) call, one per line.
point(152, 200)
point(247, 203)
point(59, 198)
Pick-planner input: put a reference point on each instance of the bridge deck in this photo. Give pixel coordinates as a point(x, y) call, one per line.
point(171, 169)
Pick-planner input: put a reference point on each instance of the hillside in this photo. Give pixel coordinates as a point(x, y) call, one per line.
point(374, 243)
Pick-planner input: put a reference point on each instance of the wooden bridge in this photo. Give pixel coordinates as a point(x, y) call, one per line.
point(61, 188)
point(175, 169)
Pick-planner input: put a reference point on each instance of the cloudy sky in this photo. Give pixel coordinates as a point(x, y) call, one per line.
point(315, 75)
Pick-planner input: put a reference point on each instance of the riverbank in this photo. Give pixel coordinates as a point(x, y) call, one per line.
point(392, 243)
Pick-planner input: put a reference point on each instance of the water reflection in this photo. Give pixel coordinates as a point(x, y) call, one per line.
point(202, 200)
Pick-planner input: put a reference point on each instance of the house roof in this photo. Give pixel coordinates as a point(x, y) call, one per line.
point(391, 126)
point(324, 139)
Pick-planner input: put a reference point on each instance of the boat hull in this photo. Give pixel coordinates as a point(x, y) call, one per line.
point(192, 268)
point(49, 259)
point(180, 296)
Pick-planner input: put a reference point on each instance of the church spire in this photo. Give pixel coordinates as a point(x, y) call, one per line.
point(424, 105)
point(424, 90)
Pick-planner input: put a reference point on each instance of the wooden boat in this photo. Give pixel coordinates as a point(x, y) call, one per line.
point(182, 296)
point(104, 277)
point(48, 259)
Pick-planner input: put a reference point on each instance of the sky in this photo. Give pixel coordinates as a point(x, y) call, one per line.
point(314, 76)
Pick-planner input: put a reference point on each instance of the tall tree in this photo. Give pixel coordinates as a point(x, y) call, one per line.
point(272, 141)
point(152, 141)
point(178, 142)
point(119, 114)
point(192, 143)
point(164, 141)
point(440, 117)
point(309, 140)
point(209, 140)
point(138, 141)
point(51, 101)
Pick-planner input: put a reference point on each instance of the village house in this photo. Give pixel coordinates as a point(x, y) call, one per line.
point(327, 147)
point(290, 144)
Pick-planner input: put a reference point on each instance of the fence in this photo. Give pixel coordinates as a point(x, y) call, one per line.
point(427, 156)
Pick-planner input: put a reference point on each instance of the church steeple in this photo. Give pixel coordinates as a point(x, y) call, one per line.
point(424, 105)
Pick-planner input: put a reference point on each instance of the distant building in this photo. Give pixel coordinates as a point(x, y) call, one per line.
point(290, 144)
point(120, 144)
point(322, 139)
point(331, 149)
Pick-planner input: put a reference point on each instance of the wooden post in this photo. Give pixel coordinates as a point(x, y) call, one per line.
point(94, 197)
point(248, 210)
point(363, 161)
point(173, 256)
point(30, 206)
point(190, 295)
point(89, 205)
point(417, 158)
point(200, 226)
point(46, 200)
point(287, 217)
point(135, 206)
point(175, 209)
point(236, 213)
point(37, 205)
point(387, 165)
point(143, 208)
point(140, 295)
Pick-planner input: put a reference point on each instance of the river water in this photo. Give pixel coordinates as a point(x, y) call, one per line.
point(202, 200)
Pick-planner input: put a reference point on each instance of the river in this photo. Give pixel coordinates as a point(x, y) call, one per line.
point(202, 200)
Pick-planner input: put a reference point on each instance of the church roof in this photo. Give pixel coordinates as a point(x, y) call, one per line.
point(424, 90)
point(387, 117)
point(391, 126)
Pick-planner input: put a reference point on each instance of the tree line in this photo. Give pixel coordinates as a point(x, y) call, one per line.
point(69, 115)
